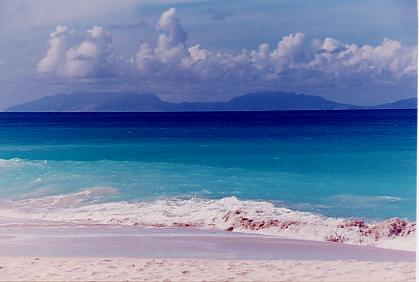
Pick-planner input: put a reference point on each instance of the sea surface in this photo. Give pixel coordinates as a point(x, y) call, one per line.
point(162, 167)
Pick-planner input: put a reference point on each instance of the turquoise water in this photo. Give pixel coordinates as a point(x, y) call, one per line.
point(336, 163)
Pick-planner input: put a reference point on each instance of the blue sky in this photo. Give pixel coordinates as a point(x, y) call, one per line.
point(361, 52)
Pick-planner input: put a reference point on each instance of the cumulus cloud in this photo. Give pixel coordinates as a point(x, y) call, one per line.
point(294, 61)
point(171, 44)
point(389, 61)
point(90, 58)
point(56, 52)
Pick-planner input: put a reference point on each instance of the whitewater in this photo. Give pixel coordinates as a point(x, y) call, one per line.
point(228, 214)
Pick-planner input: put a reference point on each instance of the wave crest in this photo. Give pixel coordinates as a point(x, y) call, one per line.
point(230, 214)
point(6, 163)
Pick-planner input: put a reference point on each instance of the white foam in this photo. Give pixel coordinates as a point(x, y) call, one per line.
point(7, 163)
point(365, 200)
point(225, 214)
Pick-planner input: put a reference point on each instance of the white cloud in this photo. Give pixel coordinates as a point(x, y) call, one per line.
point(196, 53)
point(144, 59)
point(171, 44)
point(91, 58)
point(173, 33)
point(57, 48)
point(389, 61)
point(331, 45)
point(294, 61)
point(262, 56)
point(288, 51)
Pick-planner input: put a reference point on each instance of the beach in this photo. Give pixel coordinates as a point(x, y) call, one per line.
point(114, 253)
point(141, 269)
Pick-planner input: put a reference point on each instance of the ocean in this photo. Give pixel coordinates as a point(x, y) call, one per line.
point(192, 169)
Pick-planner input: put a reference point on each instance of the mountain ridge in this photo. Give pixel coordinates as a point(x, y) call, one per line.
point(410, 103)
point(146, 102)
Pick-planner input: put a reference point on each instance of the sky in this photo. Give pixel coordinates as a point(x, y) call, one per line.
point(350, 51)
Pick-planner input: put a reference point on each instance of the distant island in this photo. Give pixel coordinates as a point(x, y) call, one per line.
point(134, 102)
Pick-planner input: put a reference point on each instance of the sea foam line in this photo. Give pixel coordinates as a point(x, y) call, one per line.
point(230, 214)
point(6, 163)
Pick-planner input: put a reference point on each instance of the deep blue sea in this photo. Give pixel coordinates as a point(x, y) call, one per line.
point(334, 163)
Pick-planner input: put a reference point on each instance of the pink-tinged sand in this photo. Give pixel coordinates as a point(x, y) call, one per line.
point(115, 253)
point(106, 240)
point(143, 269)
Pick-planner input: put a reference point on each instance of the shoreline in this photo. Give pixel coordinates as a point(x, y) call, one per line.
point(129, 241)
point(226, 214)
point(40, 250)
point(79, 245)
point(126, 253)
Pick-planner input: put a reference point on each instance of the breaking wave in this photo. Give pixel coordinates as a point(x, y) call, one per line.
point(230, 214)
point(6, 163)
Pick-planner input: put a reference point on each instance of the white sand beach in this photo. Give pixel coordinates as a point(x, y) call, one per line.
point(142, 269)
point(106, 253)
